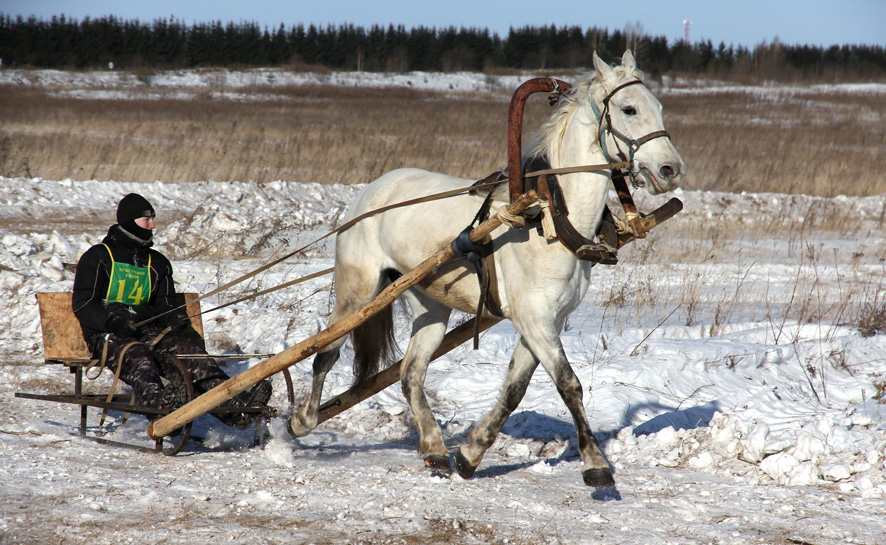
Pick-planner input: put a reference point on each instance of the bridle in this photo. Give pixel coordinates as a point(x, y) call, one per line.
point(605, 126)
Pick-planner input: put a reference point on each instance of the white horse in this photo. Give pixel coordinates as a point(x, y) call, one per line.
point(540, 282)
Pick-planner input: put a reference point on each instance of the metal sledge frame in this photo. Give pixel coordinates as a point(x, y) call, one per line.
point(63, 344)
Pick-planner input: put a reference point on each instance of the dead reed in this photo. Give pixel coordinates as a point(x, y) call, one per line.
point(805, 141)
point(788, 140)
point(326, 135)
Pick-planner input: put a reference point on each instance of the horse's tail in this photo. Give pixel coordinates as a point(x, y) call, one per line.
point(373, 342)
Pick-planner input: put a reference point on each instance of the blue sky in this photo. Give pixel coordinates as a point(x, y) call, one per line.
point(737, 22)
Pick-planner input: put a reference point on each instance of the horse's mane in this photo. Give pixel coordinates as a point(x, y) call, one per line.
point(549, 137)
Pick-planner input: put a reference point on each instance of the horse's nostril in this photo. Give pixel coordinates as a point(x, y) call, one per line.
point(667, 172)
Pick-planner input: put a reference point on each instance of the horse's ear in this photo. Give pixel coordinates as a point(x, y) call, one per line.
point(605, 71)
point(628, 62)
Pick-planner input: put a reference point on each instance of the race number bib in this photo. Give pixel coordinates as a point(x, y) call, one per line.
point(129, 284)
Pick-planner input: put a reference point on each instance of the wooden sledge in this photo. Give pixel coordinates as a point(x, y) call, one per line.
point(63, 344)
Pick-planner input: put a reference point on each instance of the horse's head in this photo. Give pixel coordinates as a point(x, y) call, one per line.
point(630, 126)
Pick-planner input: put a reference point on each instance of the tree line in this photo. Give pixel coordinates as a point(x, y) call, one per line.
point(170, 44)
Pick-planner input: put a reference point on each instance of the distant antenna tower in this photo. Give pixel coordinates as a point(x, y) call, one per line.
point(686, 24)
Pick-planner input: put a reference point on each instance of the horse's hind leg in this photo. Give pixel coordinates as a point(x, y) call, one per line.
point(483, 433)
point(306, 417)
point(353, 289)
point(428, 328)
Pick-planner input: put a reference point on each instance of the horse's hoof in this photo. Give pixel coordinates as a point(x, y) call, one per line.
point(439, 463)
point(463, 466)
point(598, 477)
point(296, 428)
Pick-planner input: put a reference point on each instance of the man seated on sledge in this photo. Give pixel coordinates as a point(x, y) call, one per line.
point(123, 282)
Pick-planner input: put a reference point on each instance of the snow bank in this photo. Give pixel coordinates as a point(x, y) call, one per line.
point(761, 418)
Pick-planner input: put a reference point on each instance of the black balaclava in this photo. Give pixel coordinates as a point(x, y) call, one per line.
point(132, 207)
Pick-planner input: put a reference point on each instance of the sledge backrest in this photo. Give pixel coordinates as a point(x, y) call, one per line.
point(62, 338)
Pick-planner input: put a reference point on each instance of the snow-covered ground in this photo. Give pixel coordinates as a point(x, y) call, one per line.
point(723, 422)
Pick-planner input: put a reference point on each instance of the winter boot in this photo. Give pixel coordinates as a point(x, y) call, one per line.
point(175, 394)
point(257, 397)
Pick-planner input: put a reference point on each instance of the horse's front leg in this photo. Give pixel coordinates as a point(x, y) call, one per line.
point(306, 417)
point(428, 329)
point(545, 343)
point(595, 470)
point(483, 433)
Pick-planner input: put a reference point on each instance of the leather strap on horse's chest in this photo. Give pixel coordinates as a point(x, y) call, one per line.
point(486, 268)
point(490, 290)
point(604, 250)
point(480, 256)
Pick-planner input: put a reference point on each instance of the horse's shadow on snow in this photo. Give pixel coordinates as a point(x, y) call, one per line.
point(533, 426)
point(529, 426)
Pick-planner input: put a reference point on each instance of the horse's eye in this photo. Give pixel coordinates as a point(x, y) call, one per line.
point(629, 110)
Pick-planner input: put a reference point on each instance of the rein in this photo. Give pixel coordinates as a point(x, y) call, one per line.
point(627, 163)
point(338, 229)
point(572, 170)
point(354, 221)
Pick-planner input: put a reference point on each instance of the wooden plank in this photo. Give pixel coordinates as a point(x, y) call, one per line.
point(62, 336)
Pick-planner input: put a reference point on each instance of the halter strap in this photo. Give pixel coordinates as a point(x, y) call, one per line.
point(619, 88)
point(633, 144)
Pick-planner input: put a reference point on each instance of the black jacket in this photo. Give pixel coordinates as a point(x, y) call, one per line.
point(91, 285)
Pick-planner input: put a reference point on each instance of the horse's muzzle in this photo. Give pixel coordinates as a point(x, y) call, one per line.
point(667, 180)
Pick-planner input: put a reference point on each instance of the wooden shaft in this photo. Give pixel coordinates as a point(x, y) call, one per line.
point(390, 375)
point(240, 383)
point(656, 217)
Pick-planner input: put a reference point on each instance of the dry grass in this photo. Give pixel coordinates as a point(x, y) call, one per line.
point(708, 275)
point(791, 141)
point(871, 317)
point(824, 144)
point(305, 134)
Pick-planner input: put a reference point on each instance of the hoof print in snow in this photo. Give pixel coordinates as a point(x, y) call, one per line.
point(606, 493)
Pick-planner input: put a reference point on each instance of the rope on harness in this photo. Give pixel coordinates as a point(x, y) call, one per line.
point(511, 220)
point(621, 226)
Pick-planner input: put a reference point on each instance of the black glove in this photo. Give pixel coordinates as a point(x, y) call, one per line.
point(179, 322)
point(121, 326)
